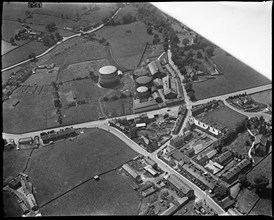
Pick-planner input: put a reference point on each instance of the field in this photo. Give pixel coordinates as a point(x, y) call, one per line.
point(74, 51)
point(263, 207)
point(246, 200)
point(28, 115)
point(128, 9)
point(9, 29)
point(21, 53)
point(152, 52)
point(111, 195)
point(226, 116)
point(126, 48)
point(42, 77)
point(57, 168)
point(265, 168)
point(14, 10)
point(264, 97)
point(237, 76)
point(6, 47)
point(81, 69)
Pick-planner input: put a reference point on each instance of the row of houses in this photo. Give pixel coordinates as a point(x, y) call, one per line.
point(234, 172)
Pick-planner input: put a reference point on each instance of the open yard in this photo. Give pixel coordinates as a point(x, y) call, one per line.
point(6, 47)
point(57, 168)
point(226, 116)
point(28, 115)
point(237, 76)
point(264, 97)
point(126, 48)
point(42, 77)
point(14, 10)
point(21, 53)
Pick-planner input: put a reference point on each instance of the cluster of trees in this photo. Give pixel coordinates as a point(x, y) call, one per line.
point(260, 125)
point(49, 39)
point(260, 182)
point(93, 76)
point(51, 27)
point(221, 191)
point(237, 96)
point(32, 56)
point(190, 91)
point(156, 39)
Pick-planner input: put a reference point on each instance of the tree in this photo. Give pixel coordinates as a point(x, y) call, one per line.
point(260, 182)
point(199, 55)
point(84, 8)
point(209, 51)
point(32, 56)
point(191, 95)
point(12, 41)
point(185, 41)
point(165, 46)
point(243, 180)
point(16, 37)
point(128, 18)
point(51, 27)
point(19, 20)
point(221, 192)
point(58, 36)
point(149, 30)
point(105, 98)
point(77, 16)
point(27, 13)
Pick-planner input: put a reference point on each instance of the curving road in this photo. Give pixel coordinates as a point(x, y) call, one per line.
point(60, 42)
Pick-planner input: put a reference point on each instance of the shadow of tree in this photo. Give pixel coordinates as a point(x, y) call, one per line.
point(266, 194)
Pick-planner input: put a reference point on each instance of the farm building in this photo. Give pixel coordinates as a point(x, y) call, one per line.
point(227, 203)
point(179, 184)
point(180, 157)
point(156, 96)
point(15, 183)
point(224, 158)
point(153, 69)
point(159, 66)
point(151, 162)
point(170, 88)
point(108, 76)
point(233, 173)
point(171, 210)
point(179, 141)
point(131, 172)
point(158, 82)
point(139, 107)
point(27, 140)
point(260, 145)
point(149, 169)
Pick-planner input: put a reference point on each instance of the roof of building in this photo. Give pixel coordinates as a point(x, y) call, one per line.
point(211, 153)
point(127, 168)
point(223, 157)
point(227, 203)
point(170, 210)
point(178, 183)
point(150, 170)
point(236, 169)
point(159, 66)
point(153, 67)
point(260, 139)
point(143, 80)
point(105, 70)
point(169, 85)
point(158, 81)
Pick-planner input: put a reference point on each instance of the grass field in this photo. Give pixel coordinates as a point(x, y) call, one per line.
point(28, 115)
point(246, 199)
point(6, 47)
point(263, 207)
point(14, 10)
point(74, 51)
point(127, 48)
point(14, 162)
point(42, 77)
point(226, 116)
point(22, 53)
point(111, 195)
point(264, 97)
point(9, 29)
point(56, 168)
point(264, 168)
point(81, 69)
point(237, 76)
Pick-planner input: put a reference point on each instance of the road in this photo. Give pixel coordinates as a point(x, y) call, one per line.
point(60, 42)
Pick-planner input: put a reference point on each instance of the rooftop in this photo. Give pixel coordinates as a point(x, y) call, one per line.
point(105, 70)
